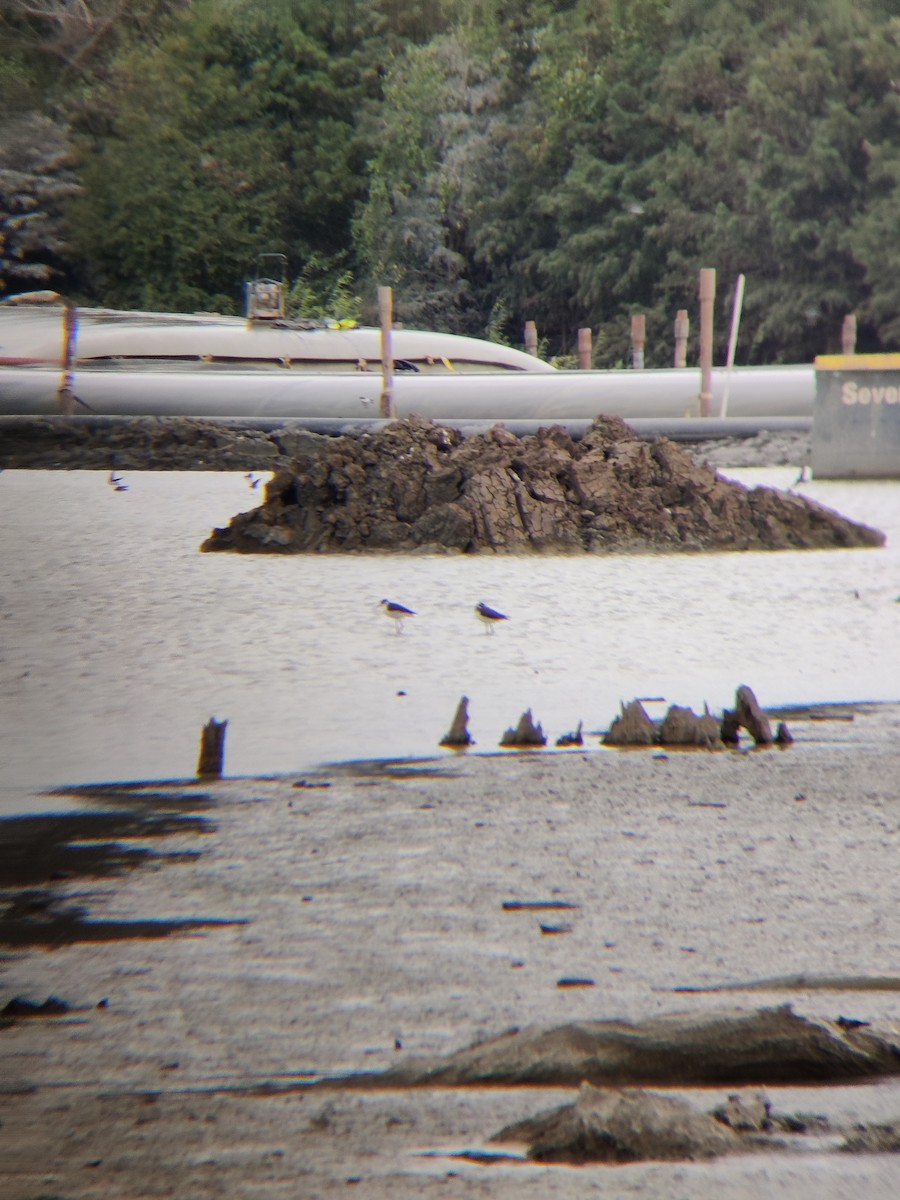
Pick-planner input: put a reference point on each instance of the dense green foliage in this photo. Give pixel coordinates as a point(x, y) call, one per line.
point(570, 163)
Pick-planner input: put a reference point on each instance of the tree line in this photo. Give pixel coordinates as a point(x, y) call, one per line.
point(571, 163)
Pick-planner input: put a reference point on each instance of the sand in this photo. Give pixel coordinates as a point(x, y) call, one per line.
point(361, 919)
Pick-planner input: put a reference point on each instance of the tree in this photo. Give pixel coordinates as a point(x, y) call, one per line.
point(36, 179)
point(234, 135)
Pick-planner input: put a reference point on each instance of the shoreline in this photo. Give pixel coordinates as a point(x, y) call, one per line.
point(357, 915)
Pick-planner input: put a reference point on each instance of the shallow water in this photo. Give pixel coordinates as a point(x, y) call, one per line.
point(120, 640)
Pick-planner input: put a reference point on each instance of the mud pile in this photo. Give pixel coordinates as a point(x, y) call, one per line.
point(416, 486)
point(729, 1046)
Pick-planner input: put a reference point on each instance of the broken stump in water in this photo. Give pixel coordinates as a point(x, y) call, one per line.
point(458, 734)
point(526, 733)
point(631, 728)
point(682, 727)
point(572, 739)
point(783, 736)
point(752, 717)
point(212, 749)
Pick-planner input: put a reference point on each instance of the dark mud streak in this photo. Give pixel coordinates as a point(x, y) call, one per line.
point(47, 847)
point(801, 983)
point(41, 856)
point(68, 928)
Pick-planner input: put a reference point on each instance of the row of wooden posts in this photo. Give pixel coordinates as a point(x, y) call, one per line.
point(707, 296)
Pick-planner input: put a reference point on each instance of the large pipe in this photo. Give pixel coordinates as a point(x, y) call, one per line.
point(756, 392)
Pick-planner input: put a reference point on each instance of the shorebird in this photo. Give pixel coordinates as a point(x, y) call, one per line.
point(489, 616)
point(397, 612)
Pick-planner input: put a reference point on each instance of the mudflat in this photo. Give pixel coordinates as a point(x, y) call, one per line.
point(224, 951)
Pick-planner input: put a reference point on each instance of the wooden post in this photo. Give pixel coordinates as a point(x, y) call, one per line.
point(682, 330)
point(707, 302)
point(848, 335)
point(638, 337)
point(531, 338)
point(65, 397)
point(386, 318)
point(732, 342)
point(585, 351)
point(212, 749)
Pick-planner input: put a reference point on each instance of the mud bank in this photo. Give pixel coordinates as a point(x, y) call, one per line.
point(416, 486)
point(366, 918)
point(192, 444)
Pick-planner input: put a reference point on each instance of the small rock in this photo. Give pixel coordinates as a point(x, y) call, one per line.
point(746, 1112)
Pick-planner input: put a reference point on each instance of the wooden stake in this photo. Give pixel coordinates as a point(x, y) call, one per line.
point(386, 318)
point(707, 302)
point(585, 351)
point(65, 397)
point(638, 338)
point(212, 749)
point(682, 330)
point(531, 338)
point(732, 342)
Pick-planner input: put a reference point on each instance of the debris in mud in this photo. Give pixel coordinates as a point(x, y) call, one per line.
point(416, 486)
point(732, 1047)
point(621, 1125)
point(20, 1007)
point(804, 983)
point(873, 1139)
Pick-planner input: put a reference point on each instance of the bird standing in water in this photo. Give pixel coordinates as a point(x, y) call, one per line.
point(489, 616)
point(397, 612)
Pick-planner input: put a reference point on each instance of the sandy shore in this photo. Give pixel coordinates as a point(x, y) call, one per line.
point(349, 917)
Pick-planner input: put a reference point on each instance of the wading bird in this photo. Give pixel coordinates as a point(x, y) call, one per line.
point(489, 616)
point(397, 612)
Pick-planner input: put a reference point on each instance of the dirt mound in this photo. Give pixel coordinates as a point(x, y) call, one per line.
point(420, 486)
point(728, 1047)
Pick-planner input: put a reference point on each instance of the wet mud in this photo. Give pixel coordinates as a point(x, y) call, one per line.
point(362, 918)
point(46, 859)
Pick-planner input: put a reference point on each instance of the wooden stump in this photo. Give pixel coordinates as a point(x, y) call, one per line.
point(458, 734)
point(752, 717)
point(682, 727)
point(631, 728)
point(212, 749)
point(526, 733)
